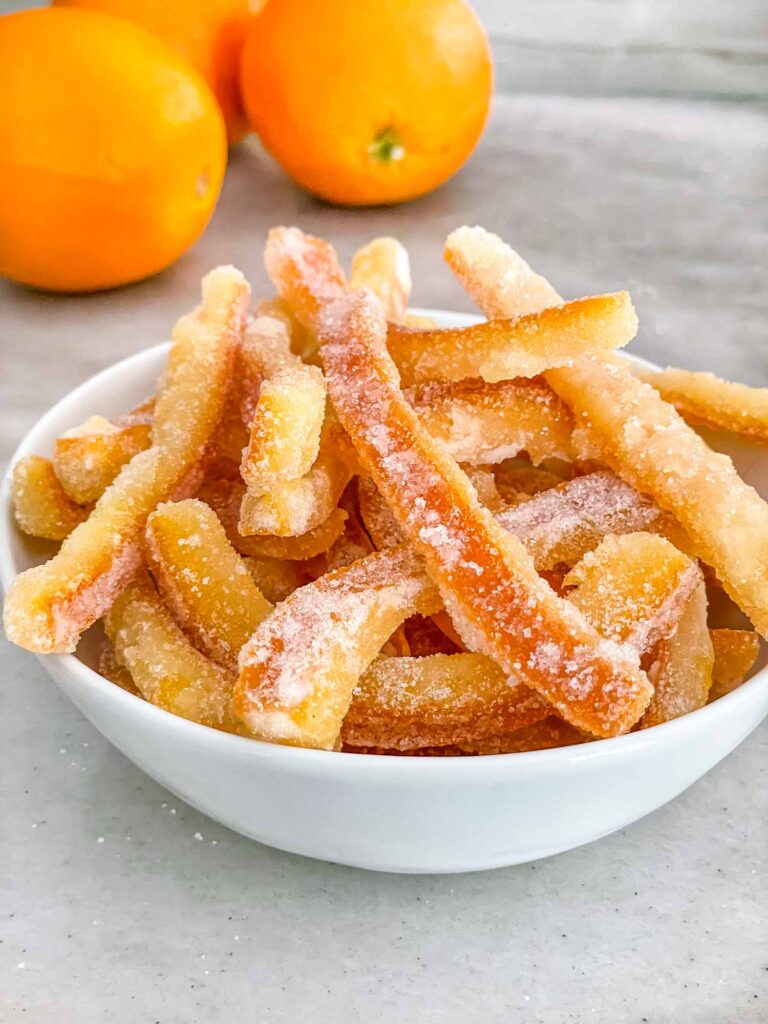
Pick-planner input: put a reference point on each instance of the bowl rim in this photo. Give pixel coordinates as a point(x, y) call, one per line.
point(68, 665)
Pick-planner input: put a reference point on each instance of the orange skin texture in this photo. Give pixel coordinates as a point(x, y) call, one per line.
point(321, 81)
point(209, 33)
point(112, 151)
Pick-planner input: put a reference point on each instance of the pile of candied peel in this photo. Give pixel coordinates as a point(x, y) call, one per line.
point(336, 525)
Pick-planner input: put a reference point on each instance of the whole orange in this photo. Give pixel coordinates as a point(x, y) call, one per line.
point(367, 101)
point(210, 34)
point(112, 151)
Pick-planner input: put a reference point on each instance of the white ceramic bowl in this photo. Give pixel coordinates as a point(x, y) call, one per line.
point(384, 813)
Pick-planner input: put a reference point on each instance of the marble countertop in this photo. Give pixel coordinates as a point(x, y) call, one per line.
point(119, 903)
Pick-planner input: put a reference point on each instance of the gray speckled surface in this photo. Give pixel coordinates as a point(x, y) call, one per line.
point(119, 903)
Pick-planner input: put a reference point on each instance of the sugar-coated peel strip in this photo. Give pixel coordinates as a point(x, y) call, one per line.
point(302, 342)
point(425, 637)
point(484, 482)
point(383, 267)
point(522, 346)
point(49, 606)
point(641, 437)
point(204, 581)
point(644, 440)
point(264, 350)
point(489, 584)
point(484, 423)
point(289, 407)
point(735, 651)
point(290, 508)
point(402, 703)
point(682, 673)
point(166, 669)
point(497, 278)
point(518, 483)
point(87, 458)
point(562, 524)
point(305, 272)
point(705, 399)
point(299, 669)
point(381, 526)
point(285, 430)
point(225, 497)
point(546, 734)
point(634, 588)
point(557, 526)
point(353, 544)
point(114, 670)
point(40, 505)
point(277, 578)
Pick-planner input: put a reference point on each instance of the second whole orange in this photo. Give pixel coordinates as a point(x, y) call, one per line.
point(367, 101)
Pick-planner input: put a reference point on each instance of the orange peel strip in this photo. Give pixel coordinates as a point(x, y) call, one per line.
point(522, 346)
point(557, 525)
point(402, 703)
point(292, 507)
point(484, 423)
point(562, 524)
point(551, 732)
point(424, 637)
point(518, 483)
point(287, 416)
point(380, 524)
point(285, 431)
point(225, 498)
point(704, 399)
point(40, 505)
point(203, 580)
point(49, 606)
point(276, 578)
point(352, 545)
point(682, 674)
point(547, 734)
point(113, 670)
point(489, 584)
point(383, 267)
point(736, 651)
point(164, 666)
point(318, 633)
point(87, 458)
point(634, 588)
point(299, 669)
point(640, 436)
point(484, 482)
point(305, 272)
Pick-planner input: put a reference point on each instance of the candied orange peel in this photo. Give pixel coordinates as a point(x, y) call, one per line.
point(41, 506)
point(705, 399)
point(164, 666)
point(340, 526)
point(631, 429)
point(522, 346)
point(510, 614)
point(299, 669)
point(49, 606)
point(203, 580)
point(88, 458)
point(482, 423)
point(383, 266)
point(735, 652)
